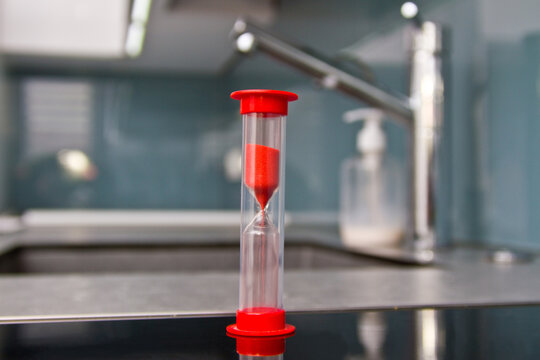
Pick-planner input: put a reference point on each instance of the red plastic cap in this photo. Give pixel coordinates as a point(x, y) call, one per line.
point(264, 101)
point(260, 322)
point(260, 346)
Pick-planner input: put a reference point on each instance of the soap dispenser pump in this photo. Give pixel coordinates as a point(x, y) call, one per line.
point(373, 196)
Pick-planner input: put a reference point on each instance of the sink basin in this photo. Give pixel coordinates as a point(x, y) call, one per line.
point(96, 258)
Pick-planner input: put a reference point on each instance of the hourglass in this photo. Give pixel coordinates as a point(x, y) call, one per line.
point(261, 246)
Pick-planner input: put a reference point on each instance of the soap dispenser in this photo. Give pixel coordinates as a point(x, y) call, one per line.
point(373, 188)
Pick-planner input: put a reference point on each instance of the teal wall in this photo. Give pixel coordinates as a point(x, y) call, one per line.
point(159, 140)
point(512, 210)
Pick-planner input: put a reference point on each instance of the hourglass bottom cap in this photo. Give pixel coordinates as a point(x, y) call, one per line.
point(260, 322)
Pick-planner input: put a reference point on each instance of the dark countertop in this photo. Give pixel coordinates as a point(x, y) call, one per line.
point(481, 333)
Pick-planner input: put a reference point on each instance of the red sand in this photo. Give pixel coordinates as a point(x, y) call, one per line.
point(261, 172)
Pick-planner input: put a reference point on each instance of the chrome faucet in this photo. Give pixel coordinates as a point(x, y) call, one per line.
point(421, 112)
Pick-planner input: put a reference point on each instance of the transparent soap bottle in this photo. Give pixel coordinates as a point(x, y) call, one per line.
point(373, 188)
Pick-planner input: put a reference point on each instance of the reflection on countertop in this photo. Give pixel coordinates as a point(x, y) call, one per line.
point(482, 333)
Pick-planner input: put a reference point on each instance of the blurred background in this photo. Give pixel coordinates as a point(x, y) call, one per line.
point(125, 105)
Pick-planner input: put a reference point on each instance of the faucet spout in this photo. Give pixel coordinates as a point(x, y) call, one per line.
point(421, 112)
point(249, 38)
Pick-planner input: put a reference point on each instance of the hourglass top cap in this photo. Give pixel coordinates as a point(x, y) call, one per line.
point(264, 101)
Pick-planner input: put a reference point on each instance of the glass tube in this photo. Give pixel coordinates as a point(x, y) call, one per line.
point(261, 260)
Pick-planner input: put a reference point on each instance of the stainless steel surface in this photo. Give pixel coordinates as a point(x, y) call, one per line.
point(62, 218)
point(427, 98)
point(508, 257)
point(422, 112)
point(220, 256)
point(463, 279)
point(400, 255)
point(46, 228)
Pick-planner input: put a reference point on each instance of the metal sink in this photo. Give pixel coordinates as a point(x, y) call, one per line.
point(99, 258)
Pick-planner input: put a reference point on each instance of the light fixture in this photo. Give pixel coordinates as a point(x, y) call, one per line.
point(135, 39)
point(140, 11)
point(136, 32)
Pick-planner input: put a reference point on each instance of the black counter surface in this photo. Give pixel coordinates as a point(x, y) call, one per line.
point(479, 333)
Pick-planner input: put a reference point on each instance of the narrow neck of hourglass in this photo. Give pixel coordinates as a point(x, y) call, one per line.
point(263, 166)
point(261, 221)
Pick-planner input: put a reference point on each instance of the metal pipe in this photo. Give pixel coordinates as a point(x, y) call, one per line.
point(250, 38)
point(427, 97)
